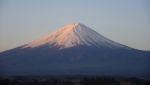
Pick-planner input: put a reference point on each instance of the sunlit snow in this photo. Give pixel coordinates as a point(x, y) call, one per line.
point(72, 35)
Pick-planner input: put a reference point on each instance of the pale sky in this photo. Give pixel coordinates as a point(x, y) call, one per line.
point(124, 21)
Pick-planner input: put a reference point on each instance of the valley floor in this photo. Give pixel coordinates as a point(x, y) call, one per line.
point(75, 81)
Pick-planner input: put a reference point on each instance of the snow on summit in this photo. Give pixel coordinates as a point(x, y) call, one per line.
point(73, 35)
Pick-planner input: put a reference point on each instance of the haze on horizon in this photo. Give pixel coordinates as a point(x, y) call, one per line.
point(123, 21)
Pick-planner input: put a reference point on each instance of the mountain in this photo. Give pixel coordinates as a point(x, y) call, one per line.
point(75, 49)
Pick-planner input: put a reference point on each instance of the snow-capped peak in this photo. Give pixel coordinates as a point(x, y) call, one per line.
point(73, 35)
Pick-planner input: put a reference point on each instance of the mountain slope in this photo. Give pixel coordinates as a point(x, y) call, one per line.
point(75, 49)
